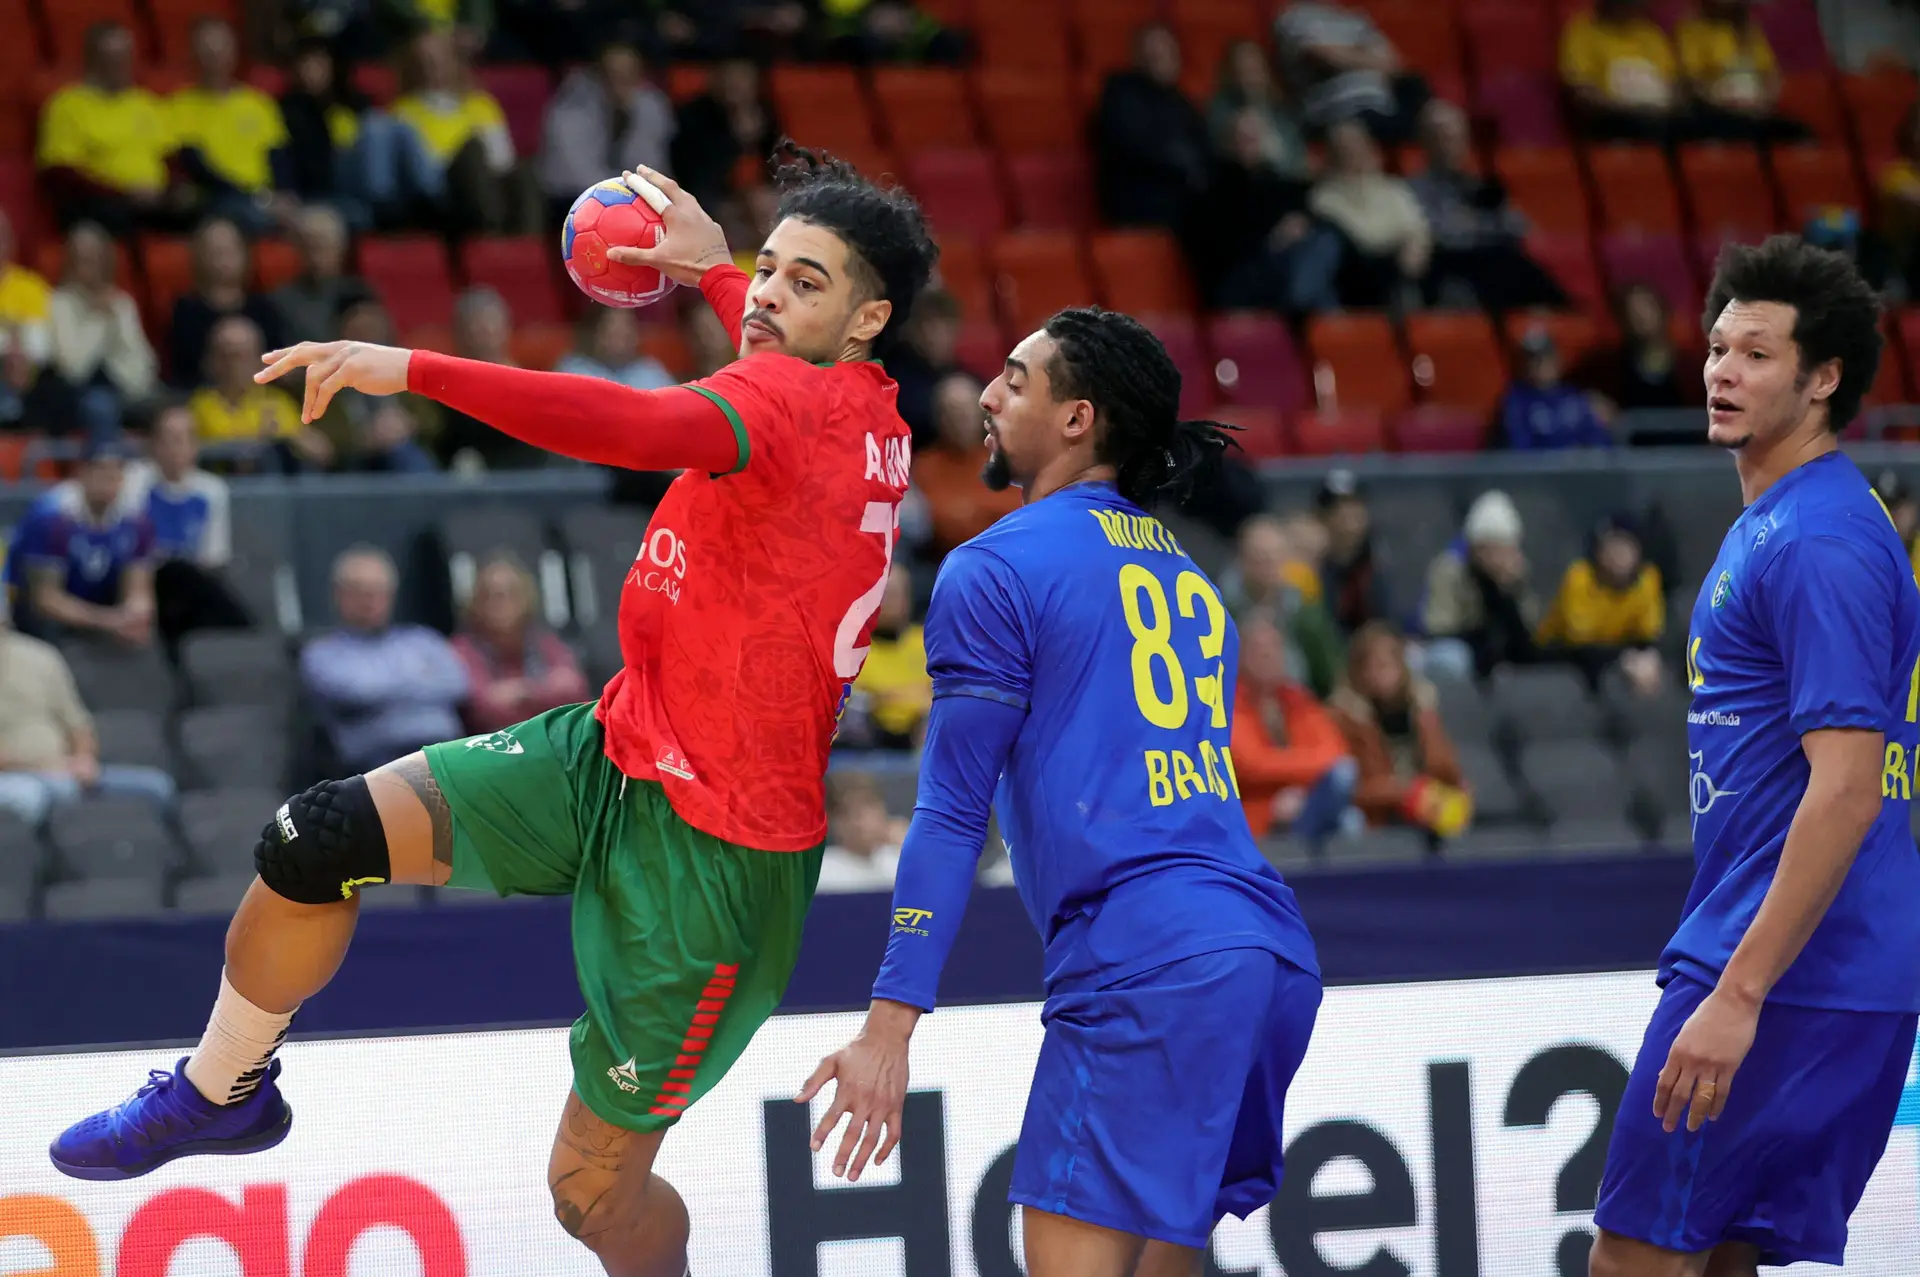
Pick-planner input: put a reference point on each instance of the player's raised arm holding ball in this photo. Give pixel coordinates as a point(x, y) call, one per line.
point(1768, 1080)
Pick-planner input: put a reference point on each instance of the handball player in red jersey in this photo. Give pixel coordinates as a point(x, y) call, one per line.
point(685, 811)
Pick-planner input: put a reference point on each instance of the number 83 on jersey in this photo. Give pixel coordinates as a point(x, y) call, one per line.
point(1205, 767)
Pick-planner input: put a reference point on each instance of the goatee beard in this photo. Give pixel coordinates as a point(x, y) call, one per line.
point(997, 474)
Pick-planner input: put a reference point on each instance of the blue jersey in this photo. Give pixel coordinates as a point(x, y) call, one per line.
point(1810, 619)
point(91, 553)
point(1110, 660)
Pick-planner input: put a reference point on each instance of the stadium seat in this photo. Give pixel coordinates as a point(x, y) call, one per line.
point(982, 348)
point(1426, 35)
point(1793, 29)
point(221, 826)
point(410, 274)
point(1727, 192)
point(1810, 97)
point(601, 544)
point(237, 667)
point(1262, 433)
point(173, 22)
point(1546, 186)
point(1205, 32)
point(1495, 799)
point(435, 337)
point(1052, 190)
point(68, 21)
point(1181, 336)
point(167, 263)
point(1545, 702)
point(270, 80)
point(111, 837)
point(924, 107)
point(50, 259)
point(1522, 106)
point(521, 269)
point(822, 106)
point(1357, 363)
point(1022, 34)
point(1659, 261)
point(275, 262)
point(234, 745)
point(113, 676)
point(1509, 35)
point(1598, 835)
point(1338, 432)
point(213, 897)
point(1438, 428)
point(1027, 112)
point(1634, 190)
point(1456, 360)
point(1257, 363)
point(963, 272)
point(1036, 273)
point(1142, 272)
point(470, 536)
point(106, 898)
point(133, 737)
point(1891, 384)
point(1575, 779)
point(541, 346)
point(1104, 30)
point(378, 81)
point(1811, 178)
point(1877, 105)
point(522, 89)
point(20, 200)
point(1575, 336)
point(1569, 259)
point(13, 457)
point(959, 191)
point(687, 80)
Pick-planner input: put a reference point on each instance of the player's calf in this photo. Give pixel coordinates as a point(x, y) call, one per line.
point(606, 1196)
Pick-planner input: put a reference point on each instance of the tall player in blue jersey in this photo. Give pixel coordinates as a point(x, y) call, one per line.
point(1083, 666)
point(1768, 1081)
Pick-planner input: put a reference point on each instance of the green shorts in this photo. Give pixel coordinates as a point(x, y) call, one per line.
point(683, 942)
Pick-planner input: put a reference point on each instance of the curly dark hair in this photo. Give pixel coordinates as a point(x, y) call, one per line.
point(1112, 361)
point(1836, 312)
point(892, 254)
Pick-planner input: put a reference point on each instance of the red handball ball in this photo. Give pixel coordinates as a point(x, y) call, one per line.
point(608, 214)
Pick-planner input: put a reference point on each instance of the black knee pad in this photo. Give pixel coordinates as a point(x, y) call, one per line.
point(324, 844)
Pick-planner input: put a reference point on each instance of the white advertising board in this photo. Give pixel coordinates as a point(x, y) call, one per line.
point(1436, 1129)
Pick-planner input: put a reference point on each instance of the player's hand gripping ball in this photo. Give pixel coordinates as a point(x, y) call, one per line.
point(611, 214)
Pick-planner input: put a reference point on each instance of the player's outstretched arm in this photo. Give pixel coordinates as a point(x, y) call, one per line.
point(693, 251)
point(579, 417)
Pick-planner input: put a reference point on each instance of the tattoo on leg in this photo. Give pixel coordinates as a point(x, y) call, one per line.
point(419, 777)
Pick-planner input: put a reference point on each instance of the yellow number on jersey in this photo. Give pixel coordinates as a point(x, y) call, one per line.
point(1152, 627)
point(1694, 681)
point(1211, 689)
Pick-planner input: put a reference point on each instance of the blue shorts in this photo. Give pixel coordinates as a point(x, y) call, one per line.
point(1806, 1121)
point(1156, 1103)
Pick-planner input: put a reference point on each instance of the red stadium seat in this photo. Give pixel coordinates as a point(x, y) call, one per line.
point(1658, 261)
point(1181, 336)
point(21, 51)
point(666, 343)
point(541, 345)
point(982, 349)
point(378, 81)
point(963, 273)
point(1810, 97)
point(270, 80)
point(1103, 31)
point(167, 263)
point(955, 15)
point(822, 106)
point(1339, 432)
point(1456, 360)
point(275, 262)
point(435, 337)
point(1425, 34)
point(960, 192)
point(1205, 34)
point(1357, 363)
point(522, 270)
point(410, 274)
point(1811, 178)
point(1256, 361)
point(1036, 273)
point(1575, 336)
point(1891, 385)
point(522, 91)
point(1022, 34)
point(1878, 106)
point(1438, 428)
point(173, 21)
point(20, 200)
point(68, 21)
point(1727, 191)
point(1634, 189)
point(1052, 190)
point(50, 259)
point(1027, 112)
point(1509, 35)
point(924, 107)
point(1143, 273)
point(1545, 185)
point(1569, 259)
point(1522, 106)
point(687, 80)
point(1262, 433)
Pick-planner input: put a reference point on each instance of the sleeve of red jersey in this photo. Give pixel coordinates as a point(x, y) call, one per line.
point(725, 288)
point(772, 401)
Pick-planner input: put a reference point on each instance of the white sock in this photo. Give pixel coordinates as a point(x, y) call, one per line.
point(232, 1058)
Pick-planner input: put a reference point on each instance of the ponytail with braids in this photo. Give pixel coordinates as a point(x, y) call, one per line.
point(1112, 361)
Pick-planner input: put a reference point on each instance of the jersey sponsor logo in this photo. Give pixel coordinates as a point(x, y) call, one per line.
point(674, 763)
point(890, 462)
point(912, 921)
point(1723, 589)
point(1702, 792)
point(626, 1076)
point(284, 819)
point(1712, 718)
point(661, 564)
point(501, 742)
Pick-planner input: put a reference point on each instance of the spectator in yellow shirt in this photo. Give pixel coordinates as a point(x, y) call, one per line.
point(105, 143)
point(257, 427)
point(231, 138)
point(26, 337)
point(894, 691)
point(1620, 69)
point(1731, 73)
point(1612, 607)
point(462, 131)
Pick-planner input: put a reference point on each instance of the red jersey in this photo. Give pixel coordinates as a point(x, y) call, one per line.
point(747, 611)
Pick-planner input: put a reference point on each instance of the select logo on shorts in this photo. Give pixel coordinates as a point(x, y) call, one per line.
point(912, 921)
point(626, 1076)
point(501, 742)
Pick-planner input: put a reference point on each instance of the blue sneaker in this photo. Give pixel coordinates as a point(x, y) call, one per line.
point(168, 1118)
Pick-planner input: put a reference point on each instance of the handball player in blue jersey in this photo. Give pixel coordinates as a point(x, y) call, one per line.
point(1083, 677)
point(1768, 1081)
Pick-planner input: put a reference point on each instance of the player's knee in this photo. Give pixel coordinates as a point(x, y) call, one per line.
point(324, 844)
point(574, 1201)
point(1616, 1256)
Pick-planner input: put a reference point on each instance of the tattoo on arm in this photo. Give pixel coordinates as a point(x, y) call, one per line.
point(419, 777)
